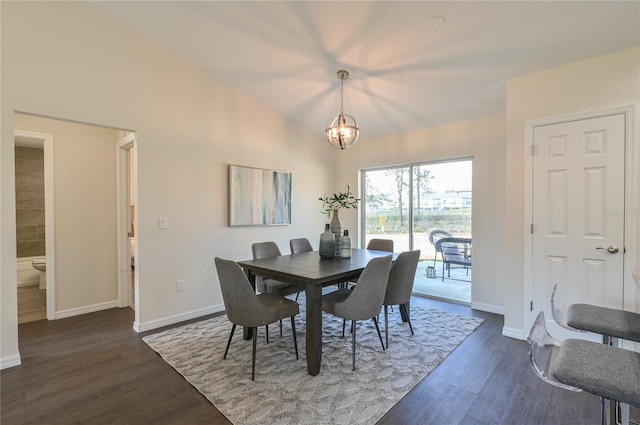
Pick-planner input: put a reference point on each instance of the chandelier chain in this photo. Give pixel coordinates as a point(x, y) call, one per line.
point(341, 96)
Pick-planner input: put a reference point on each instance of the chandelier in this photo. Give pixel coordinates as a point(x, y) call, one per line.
point(343, 130)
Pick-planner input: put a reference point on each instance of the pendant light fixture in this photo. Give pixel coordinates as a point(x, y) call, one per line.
point(343, 130)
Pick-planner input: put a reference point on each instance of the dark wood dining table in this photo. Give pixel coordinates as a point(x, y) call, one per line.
point(312, 273)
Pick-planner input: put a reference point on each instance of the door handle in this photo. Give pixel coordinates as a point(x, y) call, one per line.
point(611, 249)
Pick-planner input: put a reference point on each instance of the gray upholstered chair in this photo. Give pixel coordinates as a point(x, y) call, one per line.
point(381, 244)
point(400, 287)
point(377, 245)
point(608, 322)
point(575, 364)
point(300, 245)
point(245, 308)
point(362, 302)
point(272, 286)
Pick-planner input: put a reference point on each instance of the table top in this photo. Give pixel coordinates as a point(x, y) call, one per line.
point(308, 267)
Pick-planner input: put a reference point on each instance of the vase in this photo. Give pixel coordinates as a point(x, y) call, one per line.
point(327, 243)
point(346, 245)
point(336, 229)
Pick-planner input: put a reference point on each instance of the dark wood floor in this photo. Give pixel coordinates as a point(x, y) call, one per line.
point(94, 369)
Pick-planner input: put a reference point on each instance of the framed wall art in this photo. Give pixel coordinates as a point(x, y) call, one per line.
point(259, 197)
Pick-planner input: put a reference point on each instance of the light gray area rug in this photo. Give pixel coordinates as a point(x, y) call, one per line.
point(284, 393)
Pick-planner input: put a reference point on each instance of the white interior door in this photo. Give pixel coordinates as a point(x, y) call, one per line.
point(125, 198)
point(578, 214)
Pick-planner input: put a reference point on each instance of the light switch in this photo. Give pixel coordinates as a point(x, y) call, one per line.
point(163, 223)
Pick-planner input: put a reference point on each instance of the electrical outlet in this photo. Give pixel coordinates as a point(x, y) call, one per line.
point(180, 285)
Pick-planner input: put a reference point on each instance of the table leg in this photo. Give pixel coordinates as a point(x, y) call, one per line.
point(247, 333)
point(314, 328)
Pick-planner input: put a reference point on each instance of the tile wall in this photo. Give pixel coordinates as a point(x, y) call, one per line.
point(30, 201)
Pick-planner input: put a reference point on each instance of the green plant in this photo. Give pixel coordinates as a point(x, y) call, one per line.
point(338, 201)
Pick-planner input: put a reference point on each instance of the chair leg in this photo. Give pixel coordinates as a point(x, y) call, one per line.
point(280, 327)
point(233, 329)
point(443, 270)
point(386, 326)
point(344, 322)
point(266, 331)
point(253, 357)
point(378, 329)
point(297, 295)
point(405, 311)
point(295, 339)
point(604, 413)
point(353, 343)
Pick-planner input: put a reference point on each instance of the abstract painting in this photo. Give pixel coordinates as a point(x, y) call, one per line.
point(259, 197)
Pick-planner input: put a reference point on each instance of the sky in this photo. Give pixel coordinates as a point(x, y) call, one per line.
point(448, 176)
point(451, 176)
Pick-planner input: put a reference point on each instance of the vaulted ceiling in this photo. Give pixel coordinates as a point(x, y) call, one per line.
point(413, 64)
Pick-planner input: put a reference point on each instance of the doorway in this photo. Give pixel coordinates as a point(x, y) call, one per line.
point(42, 296)
point(126, 221)
point(85, 262)
point(408, 203)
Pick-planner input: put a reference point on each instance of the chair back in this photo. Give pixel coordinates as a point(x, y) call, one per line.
point(367, 296)
point(543, 350)
point(381, 245)
point(240, 300)
point(401, 277)
point(265, 250)
point(558, 307)
point(438, 234)
point(300, 245)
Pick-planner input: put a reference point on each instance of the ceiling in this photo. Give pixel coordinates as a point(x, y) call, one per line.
point(413, 64)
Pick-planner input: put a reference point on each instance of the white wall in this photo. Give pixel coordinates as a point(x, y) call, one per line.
point(602, 82)
point(77, 64)
point(483, 140)
point(85, 211)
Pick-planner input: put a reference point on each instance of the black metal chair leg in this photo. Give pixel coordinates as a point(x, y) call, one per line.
point(253, 360)
point(379, 334)
point(266, 331)
point(353, 343)
point(386, 326)
point(405, 312)
point(295, 340)
point(280, 327)
point(344, 322)
point(233, 329)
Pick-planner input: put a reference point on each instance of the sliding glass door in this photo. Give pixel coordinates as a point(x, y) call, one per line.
point(386, 206)
point(411, 203)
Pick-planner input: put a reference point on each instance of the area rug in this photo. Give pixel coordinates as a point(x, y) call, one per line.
point(284, 393)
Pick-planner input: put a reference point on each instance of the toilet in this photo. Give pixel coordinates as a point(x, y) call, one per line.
point(41, 266)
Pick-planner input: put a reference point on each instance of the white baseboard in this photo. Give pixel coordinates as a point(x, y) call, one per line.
point(171, 320)
point(512, 333)
point(488, 308)
point(86, 309)
point(10, 361)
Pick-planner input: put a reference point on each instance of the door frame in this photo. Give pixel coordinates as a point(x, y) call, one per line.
point(46, 141)
point(631, 296)
point(124, 179)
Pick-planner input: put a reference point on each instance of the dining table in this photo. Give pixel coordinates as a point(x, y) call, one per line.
point(311, 273)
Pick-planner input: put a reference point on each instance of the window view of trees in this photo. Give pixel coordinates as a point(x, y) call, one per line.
point(436, 196)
